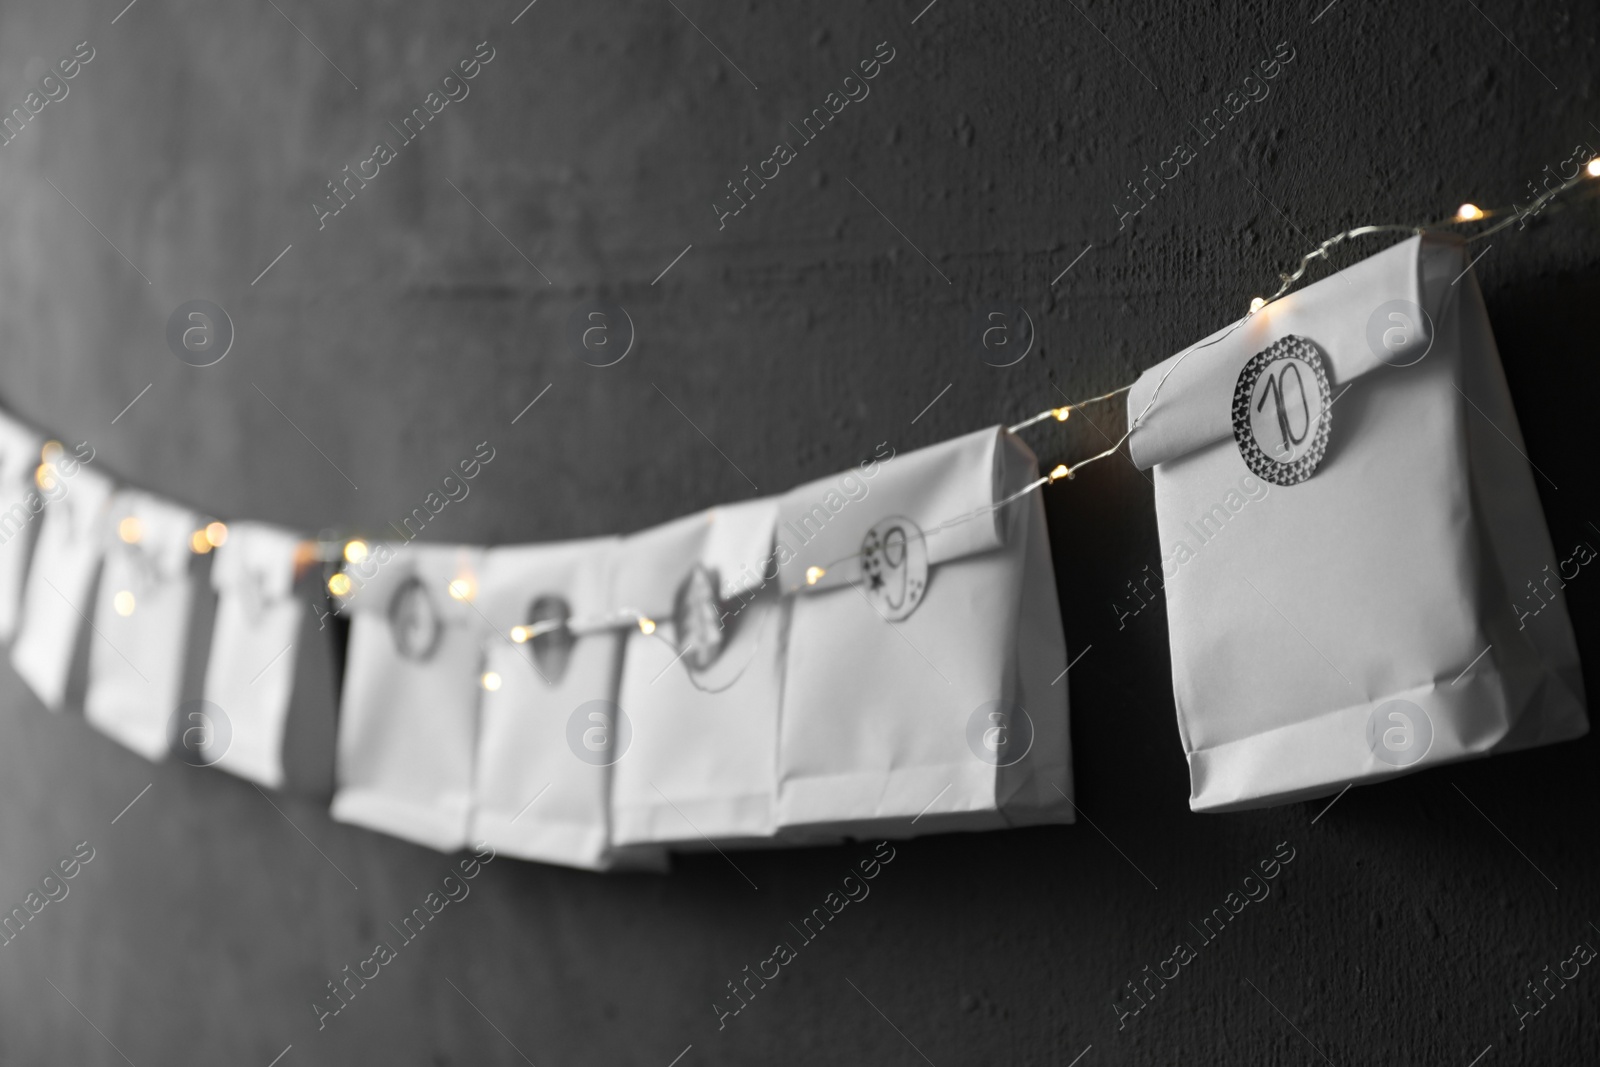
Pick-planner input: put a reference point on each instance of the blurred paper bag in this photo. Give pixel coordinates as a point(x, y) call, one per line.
point(1338, 579)
point(66, 557)
point(702, 689)
point(141, 622)
point(269, 661)
point(550, 730)
point(408, 719)
point(21, 501)
point(924, 639)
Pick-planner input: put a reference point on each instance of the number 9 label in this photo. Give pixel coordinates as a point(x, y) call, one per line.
point(1281, 411)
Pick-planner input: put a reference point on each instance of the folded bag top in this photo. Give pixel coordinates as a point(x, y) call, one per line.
point(1338, 578)
point(948, 491)
point(1349, 316)
point(257, 558)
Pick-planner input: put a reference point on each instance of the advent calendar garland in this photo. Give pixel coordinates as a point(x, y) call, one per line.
point(721, 681)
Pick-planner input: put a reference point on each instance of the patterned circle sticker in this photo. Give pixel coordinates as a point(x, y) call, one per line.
point(894, 567)
point(414, 620)
point(1282, 410)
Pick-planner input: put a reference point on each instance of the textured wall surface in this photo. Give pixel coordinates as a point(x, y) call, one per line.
point(796, 335)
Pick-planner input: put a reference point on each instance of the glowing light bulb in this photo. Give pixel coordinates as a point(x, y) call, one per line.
point(1061, 414)
point(51, 451)
point(1256, 304)
point(131, 530)
point(44, 476)
point(339, 585)
point(521, 634)
point(646, 626)
point(491, 681)
point(1060, 472)
point(463, 589)
point(1468, 213)
point(216, 534)
point(355, 551)
point(122, 603)
point(198, 543)
point(1594, 167)
point(813, 573)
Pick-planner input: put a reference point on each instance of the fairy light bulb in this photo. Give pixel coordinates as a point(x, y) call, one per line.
point(198, 543)
point(122, 603)
point(44, 476)
point(463, 589)
point(339, 584)
point(1468, 213)
point(131, 530)
point(490, 681)
point(813, 573)
point(50, 451)
point(521, 634)
point(355, 551)
point(1060, 472)
point(1061, 413)
point(1256, 304)
point(647, 626)
point(1594, 167)
point(216, 534)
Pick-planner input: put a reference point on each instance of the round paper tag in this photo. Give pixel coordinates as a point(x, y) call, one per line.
point(414, 620)
point(894, 567)
point(553, 647)
point(1281, 411)
point(697, 618)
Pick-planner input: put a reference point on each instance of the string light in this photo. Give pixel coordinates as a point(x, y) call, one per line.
point(491, 681)
point(339, 584)
point(463, 589)
point(44, 476)
point(122, 603)
point(131, 530)
point(1060, 472)
point(1061, 413)
point(1594, 167)
point(355, 551)
point(813, 573)
point(216, 534)
point(1469, 213)
point(521, 634)
point(50, 451)
point(646, 626)
point(198, 543)
point(1256, 304)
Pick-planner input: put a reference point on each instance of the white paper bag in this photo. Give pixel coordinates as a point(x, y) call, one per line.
point(923, 687)
point(250, 672)
point(408, 718)
point(141, 621)
point(1337, 577)
point(550, 731)
point(61, 574)
point(702, 690)
point(20, 505)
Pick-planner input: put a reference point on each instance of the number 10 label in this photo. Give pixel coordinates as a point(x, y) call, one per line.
point(1281, 411)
